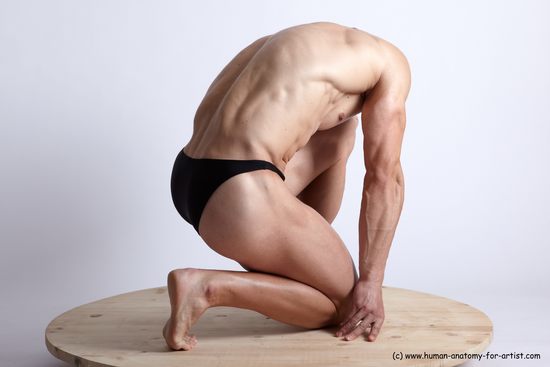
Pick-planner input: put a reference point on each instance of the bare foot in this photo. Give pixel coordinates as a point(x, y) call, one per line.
point(188, 298)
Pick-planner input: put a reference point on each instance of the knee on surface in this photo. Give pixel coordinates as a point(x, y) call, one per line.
point(342, 306)
point(332, 320)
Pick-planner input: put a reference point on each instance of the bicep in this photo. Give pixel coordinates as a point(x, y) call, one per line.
point(383, 116)
point(383, 130)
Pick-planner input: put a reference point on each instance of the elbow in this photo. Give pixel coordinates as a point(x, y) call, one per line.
point(389, 174)
point(387, 183)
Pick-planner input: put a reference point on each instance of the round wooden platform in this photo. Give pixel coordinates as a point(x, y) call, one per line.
point(126, 330)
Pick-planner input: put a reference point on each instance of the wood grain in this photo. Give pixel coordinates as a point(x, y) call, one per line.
point(126, 330)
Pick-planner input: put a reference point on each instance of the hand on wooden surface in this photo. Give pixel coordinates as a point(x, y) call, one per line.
point(365, 312)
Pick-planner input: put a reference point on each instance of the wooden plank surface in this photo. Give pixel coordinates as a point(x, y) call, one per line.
point(126, 330)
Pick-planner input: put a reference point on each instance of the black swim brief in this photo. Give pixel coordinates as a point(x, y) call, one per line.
point(194, 180)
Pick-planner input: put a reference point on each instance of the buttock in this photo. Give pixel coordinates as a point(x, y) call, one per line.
point(194, 180)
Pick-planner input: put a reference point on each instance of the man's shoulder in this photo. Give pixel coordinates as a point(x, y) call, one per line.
point(395, 81)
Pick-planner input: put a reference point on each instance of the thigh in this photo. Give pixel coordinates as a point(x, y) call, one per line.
point(255, 220)
point(323, 149)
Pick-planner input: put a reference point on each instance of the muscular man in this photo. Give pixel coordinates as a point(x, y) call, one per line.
point(262, 179)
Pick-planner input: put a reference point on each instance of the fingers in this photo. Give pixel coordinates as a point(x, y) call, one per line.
point(351, 322)
point(360, 329)
point(375, 329)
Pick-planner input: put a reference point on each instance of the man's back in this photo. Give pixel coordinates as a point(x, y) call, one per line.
point(275, 94)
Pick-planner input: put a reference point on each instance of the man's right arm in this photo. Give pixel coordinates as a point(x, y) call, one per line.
point(383, 192)
point(383, 121)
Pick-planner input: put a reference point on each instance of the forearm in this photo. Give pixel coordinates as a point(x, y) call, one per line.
point(381, 206)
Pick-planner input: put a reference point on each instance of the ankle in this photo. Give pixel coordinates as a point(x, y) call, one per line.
point(211, 290)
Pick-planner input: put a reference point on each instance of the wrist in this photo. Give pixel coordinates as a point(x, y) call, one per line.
point(371, 281)
point(371, 272)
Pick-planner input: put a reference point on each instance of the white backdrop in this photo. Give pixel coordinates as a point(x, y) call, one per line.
point(97, 98)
